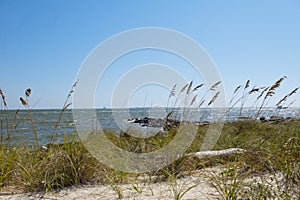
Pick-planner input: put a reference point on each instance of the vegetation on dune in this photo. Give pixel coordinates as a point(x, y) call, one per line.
point(272, 149)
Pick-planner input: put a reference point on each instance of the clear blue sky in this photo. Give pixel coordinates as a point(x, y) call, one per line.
point(43, 43)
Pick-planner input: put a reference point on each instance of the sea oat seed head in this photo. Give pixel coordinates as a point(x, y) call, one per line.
point(214, 98)
point(3, 98)
point(197, 87)
point(247, 84)
point(23, 101)
point(28, 92)
point(214, 86)
point(237, 89)
point(190, 87)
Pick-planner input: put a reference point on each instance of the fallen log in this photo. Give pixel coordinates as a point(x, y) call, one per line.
point(225, 152)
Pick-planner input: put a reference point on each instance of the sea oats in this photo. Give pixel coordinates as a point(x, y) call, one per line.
point(237, 89)
point(276, 85)
point(294, 91)
point(262, 93)
point(3, 98)
point(214, 86)
point(247, 84)
point(201, 103)
point(66, 106)
point(253, 90)
point(270, 93)
point(172, 93)
point(194, 99)
point(28, 92)
point(75, 84)
point(190, 87)
point(214, 98)
point(197, 87)
point(184, 87)
point(23, 101)
point(72, 89)
point(286, 96)
point(282, 100)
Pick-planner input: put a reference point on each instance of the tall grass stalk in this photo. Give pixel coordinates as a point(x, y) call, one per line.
point(64, 108)
point(25, 103)
point(270, 93)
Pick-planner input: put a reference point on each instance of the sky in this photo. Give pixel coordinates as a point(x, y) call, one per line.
point(43, 44)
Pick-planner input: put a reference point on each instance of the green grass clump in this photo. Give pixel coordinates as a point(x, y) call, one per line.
point(273, 150)
point(58, 166)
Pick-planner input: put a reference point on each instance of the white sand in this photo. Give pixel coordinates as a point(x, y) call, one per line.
point(202, 189)
point(198, 180)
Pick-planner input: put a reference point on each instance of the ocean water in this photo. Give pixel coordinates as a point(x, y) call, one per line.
point(17, 130)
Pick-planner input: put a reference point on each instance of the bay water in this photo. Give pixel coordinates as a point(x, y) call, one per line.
point(18, 129)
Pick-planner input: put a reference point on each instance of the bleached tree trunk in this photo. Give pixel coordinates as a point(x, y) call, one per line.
point(205, 154)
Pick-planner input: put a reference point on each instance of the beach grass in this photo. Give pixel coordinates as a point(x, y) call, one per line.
point(272, 148)
point(268, 169)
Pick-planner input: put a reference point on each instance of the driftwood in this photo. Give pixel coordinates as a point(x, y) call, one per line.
point(225, 152)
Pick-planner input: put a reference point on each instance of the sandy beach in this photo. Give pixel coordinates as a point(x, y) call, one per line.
point(198, 180)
